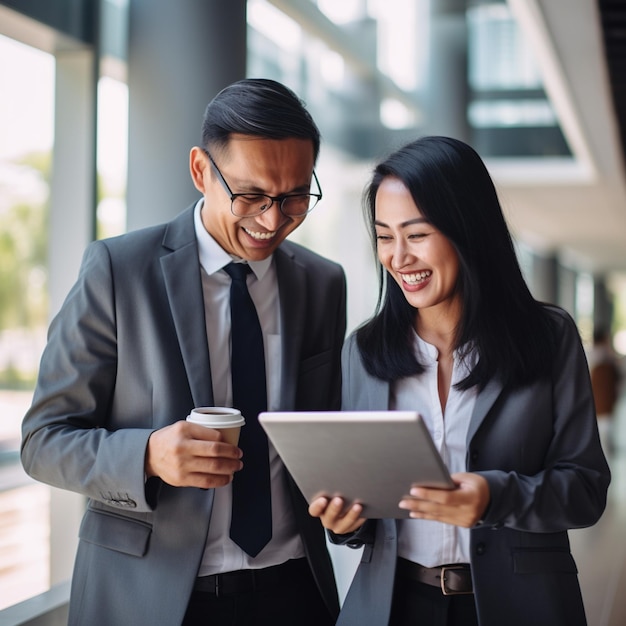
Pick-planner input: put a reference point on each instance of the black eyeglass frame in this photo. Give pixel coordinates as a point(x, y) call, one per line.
point(278, 199)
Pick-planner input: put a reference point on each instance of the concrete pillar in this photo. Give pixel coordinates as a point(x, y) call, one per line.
point(566, 290)
point(447, 86)
point(543, 281)
point(602, 304)
point(73, 171)
point(362, 127)
point(72, 215)
point(180, 55)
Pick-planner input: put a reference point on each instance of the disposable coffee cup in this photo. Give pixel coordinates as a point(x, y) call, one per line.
point(222, 418)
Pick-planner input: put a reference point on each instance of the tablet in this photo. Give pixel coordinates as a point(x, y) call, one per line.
point(370, 457)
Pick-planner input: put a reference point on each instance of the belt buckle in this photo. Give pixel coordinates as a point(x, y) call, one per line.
point(445, 590)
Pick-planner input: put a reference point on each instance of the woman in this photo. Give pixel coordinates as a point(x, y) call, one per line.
point(502, 383)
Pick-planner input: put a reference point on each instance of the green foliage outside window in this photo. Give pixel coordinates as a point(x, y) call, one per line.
point(23, 274)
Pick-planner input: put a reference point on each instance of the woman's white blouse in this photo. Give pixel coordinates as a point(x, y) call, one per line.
point(428, 542)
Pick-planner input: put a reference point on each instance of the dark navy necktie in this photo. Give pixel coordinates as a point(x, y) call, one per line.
point(251, 524)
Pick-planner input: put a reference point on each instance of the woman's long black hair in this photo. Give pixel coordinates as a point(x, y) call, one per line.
point(511, 332)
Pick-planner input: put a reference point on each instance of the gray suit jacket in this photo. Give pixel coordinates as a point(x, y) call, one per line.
point(127, 355)
point(538, 448)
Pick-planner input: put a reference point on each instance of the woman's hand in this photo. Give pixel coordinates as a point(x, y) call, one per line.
point(463, 506)
point(336, 516)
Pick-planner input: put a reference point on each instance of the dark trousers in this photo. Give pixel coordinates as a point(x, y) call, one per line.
point(295, 601)
point(419, 604)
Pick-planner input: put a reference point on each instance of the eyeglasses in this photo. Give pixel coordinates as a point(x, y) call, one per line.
point(252, 204)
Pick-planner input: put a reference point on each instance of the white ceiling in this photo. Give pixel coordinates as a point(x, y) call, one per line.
point(576, 207)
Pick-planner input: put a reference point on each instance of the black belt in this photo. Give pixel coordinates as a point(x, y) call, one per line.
point(451, 579)
point(249, 580)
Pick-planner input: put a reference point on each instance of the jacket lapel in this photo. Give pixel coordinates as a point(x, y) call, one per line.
point(484, 402)
point(378, 394)
point(187, 304)
point(291, 277)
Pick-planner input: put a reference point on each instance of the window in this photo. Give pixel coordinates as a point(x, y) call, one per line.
point(26, 135)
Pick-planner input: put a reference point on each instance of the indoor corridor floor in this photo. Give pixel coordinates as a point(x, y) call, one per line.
point(600, 551)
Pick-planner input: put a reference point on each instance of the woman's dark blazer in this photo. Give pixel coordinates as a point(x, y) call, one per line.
point(539, 450)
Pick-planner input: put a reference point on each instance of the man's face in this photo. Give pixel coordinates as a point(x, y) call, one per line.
point(252, 165)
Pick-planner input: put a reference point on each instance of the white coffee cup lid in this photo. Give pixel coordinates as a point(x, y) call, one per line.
point(221, 418)
point(217, 424)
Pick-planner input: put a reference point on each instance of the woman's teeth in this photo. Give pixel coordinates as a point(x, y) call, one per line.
point(414, 279)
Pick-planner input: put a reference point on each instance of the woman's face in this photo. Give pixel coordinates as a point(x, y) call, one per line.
point(419, 258)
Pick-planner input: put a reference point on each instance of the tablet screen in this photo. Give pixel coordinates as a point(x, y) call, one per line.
point(370, 457)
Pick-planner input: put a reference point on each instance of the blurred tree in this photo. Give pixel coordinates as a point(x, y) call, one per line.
point(23, 255)
point(23, 246)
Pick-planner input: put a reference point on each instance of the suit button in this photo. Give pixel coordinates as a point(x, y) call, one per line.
point(481, 548)
point(474, 456)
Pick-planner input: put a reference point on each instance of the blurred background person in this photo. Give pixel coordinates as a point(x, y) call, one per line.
point(605, 381)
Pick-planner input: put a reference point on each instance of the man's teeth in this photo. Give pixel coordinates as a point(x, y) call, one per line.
point(414, 279)
point(260, 235)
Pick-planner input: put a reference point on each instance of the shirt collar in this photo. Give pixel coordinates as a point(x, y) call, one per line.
point(427, 354)
point(213, 257)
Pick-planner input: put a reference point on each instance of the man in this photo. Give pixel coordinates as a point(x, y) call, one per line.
point(144, 336)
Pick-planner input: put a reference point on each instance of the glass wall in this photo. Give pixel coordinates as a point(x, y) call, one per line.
point(112, 157)
point(508, 109)
point(26, 147)
point(26, 136)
